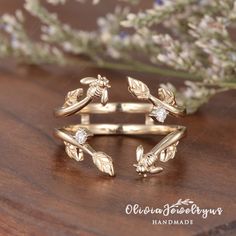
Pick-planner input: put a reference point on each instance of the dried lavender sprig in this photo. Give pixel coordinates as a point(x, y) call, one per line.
point(178, 25)
point(62, 34)
point(16, 42)
point(155, 15)
point(181, 56)
point(213, 38)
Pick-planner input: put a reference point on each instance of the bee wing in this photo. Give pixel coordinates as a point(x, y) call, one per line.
point(104, 97)
point(87, 80)
point(139, 153)
point(155, 169)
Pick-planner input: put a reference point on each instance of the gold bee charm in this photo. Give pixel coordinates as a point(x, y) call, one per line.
point(97, 87)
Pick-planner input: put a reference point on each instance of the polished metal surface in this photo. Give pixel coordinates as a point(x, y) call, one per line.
point(155, 110)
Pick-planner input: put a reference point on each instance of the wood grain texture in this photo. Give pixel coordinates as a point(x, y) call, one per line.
point(43, 192)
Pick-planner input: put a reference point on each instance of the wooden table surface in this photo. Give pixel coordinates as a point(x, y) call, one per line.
point(45, 193)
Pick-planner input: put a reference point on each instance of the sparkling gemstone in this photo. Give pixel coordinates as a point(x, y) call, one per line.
point(159, 113)
point(81, 136)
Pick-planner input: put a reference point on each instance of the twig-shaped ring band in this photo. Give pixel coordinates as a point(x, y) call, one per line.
point(75, 136)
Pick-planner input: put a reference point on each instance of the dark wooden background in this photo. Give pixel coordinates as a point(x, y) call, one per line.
point(45, 193)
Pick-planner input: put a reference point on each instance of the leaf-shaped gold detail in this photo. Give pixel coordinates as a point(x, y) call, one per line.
point(103, 162)
point(72, 97)
point(72, 152)
point(167, 96)
point(138, 88)
point(168, 153)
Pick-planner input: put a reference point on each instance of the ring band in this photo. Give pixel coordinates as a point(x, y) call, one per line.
point(75, 136)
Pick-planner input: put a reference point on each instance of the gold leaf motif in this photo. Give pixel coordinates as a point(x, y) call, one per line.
point(138, 88)
point(167, 96)
point(72, 152)
point(168, 153)
point(103, 162)
point(72, 97)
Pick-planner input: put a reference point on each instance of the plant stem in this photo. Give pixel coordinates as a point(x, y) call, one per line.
point(137, 67)
point(141, 67)
point(225, 85)
point(230, 85)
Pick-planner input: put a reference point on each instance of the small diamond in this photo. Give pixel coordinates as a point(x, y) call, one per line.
point(81, 136)
point(159, 113)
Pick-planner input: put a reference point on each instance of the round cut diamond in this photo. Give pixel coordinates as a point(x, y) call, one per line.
point(81, 136)
point(159, 113)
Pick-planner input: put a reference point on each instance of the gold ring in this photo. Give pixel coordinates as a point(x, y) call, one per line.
point(75, 136)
